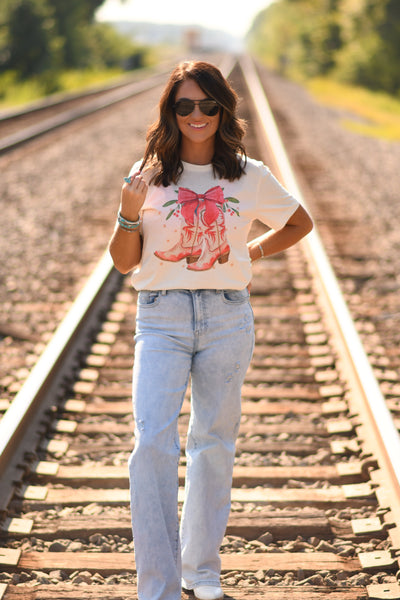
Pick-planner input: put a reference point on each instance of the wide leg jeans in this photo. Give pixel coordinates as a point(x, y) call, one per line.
point(207, 337)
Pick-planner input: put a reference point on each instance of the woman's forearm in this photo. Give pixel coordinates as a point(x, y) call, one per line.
point(126, 249)
point(126, 243)
point(276, 241)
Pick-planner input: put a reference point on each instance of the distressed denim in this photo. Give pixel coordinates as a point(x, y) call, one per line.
point(207, 337)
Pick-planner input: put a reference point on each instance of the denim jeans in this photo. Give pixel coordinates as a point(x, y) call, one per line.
point(207, 336)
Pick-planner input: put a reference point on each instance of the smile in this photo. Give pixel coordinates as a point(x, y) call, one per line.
point(198, 125)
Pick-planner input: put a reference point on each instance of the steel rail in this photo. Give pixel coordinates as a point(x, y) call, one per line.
point(67, 116)
point(114, 93)
point(20, 425)
point(58, 99)
point(39, 394)
point(368, 397)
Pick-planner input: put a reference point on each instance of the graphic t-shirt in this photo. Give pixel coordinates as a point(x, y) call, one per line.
point(195, 232)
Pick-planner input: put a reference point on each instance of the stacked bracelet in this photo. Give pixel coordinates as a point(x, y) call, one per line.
point(128, 225)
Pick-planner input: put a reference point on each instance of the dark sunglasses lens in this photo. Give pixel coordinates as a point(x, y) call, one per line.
point(184, 107)
point(209, 107)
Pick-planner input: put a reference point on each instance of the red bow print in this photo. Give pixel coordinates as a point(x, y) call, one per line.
point(191, 202)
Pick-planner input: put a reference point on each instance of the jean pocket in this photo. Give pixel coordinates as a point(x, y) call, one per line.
point(235, 296)
point(148, 298)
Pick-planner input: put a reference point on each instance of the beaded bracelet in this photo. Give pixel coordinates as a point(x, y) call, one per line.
point(127, 225)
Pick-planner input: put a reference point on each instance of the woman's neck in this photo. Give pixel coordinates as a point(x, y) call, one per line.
point(197, 154)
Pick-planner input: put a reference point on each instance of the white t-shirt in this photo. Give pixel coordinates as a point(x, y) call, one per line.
point(195, 232)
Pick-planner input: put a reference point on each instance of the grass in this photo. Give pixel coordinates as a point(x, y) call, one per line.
point(14, 92)
point(376, 114)
point(73, 80)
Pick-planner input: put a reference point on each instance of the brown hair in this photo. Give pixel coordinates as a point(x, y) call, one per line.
point(163, 137)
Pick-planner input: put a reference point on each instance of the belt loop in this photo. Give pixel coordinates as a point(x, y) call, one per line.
point(163, 292)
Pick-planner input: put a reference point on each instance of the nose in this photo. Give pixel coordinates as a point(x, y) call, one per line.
point(197, 112)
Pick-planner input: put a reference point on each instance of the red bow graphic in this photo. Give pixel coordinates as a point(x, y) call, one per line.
point(190, 203)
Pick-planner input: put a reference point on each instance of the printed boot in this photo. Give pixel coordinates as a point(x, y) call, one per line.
point(214, 244)
point(188, 247)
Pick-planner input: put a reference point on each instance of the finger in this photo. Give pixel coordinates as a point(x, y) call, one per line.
point(139, 184)
point(131, 177)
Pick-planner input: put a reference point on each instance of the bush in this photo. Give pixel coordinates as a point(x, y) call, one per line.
point(357, 41)
point(107, 48)
point(32, 45)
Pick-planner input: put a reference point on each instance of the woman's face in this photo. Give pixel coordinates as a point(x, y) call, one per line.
point(196, 128)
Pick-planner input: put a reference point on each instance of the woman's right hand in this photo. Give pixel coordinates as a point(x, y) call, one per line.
point(133, 195)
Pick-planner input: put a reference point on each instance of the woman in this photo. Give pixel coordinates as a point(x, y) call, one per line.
point(185, 213)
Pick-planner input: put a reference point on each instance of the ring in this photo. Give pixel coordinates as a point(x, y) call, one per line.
point(128, 179)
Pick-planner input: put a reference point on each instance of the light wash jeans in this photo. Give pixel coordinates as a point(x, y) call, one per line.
point(207, 335)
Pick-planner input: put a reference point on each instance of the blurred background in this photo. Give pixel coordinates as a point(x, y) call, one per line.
point(334, 47)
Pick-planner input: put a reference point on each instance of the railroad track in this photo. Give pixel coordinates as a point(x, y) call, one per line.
point(315, 493)
point(19, 127)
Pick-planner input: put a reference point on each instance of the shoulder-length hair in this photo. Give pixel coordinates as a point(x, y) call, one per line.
point(164, 138)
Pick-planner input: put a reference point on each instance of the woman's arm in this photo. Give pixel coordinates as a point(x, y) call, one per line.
point(126, 246)
point(272, 242)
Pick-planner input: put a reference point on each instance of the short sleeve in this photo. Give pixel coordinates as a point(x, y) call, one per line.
point(274, 204)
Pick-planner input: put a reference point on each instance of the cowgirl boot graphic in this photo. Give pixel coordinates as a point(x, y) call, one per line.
point(214, 246)
point(188, 247)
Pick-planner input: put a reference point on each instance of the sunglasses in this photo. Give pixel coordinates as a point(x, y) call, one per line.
point(208, 107)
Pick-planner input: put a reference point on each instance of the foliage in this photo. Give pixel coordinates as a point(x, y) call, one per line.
point(72, 19)
point(31, 39)
point(14, 92)
point(355, 41)
point(41, 38)
point(108, 48)
point(368, 112)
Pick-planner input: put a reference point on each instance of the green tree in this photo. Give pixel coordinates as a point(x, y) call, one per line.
point(41, 36)
point(106, 47)
point(371, 52)
point(354, 40)
point(389, 32)
point(298, 35)
point(31, 38)
point(72, 19)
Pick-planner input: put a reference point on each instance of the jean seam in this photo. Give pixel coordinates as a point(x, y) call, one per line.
point(175, 316)
point(177, 518)
point(177, 539)
point(155, 302)
point(240, 300)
